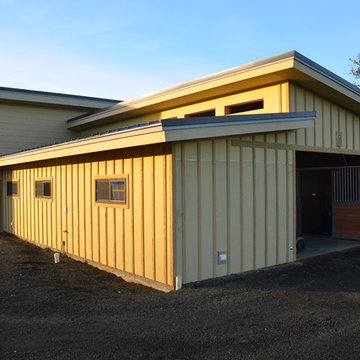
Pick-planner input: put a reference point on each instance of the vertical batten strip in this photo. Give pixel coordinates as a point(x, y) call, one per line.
point(178, 209)
point(234, 205)
point(153, 243)
point(95, 214)
point(191, 210)
point(170, 220)
point(164, 220)
point(138, 213)
point(148, 174)
point(200, 208)
point(253, 212)
point(213, 255)
point(82, 210)
point(228, 243)
point(248, 219)
point(142, 214)
point(260, 205)
point(266, 208)
point(75, 206)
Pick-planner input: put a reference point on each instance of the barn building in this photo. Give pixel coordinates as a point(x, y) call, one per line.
point(208, 178)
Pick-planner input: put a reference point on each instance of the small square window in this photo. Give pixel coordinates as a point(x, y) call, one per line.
point(43, 189)
point(111, 190)
point(13, 188)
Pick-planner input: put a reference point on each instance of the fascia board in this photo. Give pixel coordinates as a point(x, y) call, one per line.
point(186, 90)
point(241, 128)
point(327, 79)
point(53, 99)
point(167, 131)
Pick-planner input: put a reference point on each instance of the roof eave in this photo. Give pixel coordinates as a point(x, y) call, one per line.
point(285, 67)
point(53, 99)
point(167, 131)
point(195, 90)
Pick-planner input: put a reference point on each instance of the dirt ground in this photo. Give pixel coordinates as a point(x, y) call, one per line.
point(306, 310)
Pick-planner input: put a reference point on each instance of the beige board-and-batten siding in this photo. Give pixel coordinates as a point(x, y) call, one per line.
point(232, 198)
point(330, 119)
point(33, 125)
point(137, 240)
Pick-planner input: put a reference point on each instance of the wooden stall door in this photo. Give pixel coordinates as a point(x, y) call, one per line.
point(346, 202)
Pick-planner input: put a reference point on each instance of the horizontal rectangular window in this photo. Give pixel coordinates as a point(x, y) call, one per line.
point(13, 188)
point(243, 107)
point(202, 113)
point(112, 190)
point(170, 118)
point(43, 189)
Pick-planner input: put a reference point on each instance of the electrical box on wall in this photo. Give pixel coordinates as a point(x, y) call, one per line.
point(339, 139)
point(221, 257)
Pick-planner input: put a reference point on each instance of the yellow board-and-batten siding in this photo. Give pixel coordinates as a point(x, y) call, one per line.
point(215, 218)
point(274, 96)
point(225, 196)
point(234, 194)
point(135, 241)
point(209, 214)
point(331, 118)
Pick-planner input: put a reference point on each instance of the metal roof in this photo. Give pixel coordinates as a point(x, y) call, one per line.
point(312, 64)
point(178, 130)
point(117, 108)
point(84, 137)
point(53, 98)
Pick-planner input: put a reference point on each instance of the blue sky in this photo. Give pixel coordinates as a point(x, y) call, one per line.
point(122, 49)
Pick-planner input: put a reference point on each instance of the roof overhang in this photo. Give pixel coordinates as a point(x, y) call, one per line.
point(290, 66)
point(166, 131)
point(11, 95)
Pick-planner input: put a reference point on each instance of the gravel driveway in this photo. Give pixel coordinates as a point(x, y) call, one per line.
point(305, 310)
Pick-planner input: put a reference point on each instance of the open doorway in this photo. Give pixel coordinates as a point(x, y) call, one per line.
point(327, 201)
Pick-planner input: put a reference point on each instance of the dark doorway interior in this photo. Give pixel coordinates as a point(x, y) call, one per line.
point(314, 202)
point(307, 160)
point(314, 193)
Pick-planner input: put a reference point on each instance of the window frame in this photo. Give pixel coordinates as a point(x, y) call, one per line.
point(16, 196)
point(44, 198)
point(228, 107)
point(113, 203)
point(198, 113)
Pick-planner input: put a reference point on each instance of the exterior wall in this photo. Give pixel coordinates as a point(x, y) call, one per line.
point(137, 240)
point(275, 100)
point(330, 118)
point(28, 126)
point(234, 198)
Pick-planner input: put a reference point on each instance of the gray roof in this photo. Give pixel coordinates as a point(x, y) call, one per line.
point(53, 98)
point(113, 110)
point(192, 123)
